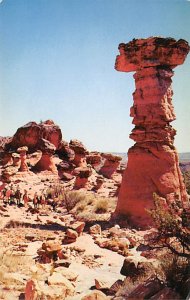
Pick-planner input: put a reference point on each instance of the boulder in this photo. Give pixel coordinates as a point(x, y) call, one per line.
point(151, 52)
point(30, 134)
point(6, 159)
point(99, 182)
point(131, 267)
point(33, 158)
point(102, 284)
point(8, 172)
point(16, 160)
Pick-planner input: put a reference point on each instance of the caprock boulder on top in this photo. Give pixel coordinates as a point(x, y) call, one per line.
point(153, 165)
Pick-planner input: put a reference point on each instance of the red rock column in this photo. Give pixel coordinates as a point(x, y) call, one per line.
point(153, 165)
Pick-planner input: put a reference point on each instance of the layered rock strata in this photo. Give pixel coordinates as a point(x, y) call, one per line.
point(153, 165)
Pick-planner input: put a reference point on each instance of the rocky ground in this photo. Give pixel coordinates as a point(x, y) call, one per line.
point(74, 250)
point(52, 255)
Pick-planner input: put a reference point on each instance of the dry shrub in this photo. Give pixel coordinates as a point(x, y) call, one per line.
point(88, 206)
point(175, 269)
point(13, 263)
point(101, 205)
point(72, 198)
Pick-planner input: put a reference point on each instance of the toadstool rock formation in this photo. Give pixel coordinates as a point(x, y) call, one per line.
point(80, 153)
point(82, 174)
point(46, 162)
point(153, 165)
point(111, 164)
point(24, 166)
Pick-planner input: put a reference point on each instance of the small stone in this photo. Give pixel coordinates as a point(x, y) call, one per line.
point(72, 234)
point(78, 227)
point(101, 284)
point(95, 229)
point(51, 246)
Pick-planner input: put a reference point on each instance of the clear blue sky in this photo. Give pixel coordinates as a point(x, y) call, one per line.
point(57, 62)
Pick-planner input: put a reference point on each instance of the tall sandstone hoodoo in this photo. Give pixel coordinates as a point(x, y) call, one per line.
point(153, 165)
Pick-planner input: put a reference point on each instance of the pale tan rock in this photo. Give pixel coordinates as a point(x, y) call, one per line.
point(70, 275)
point(95, 295)
point(41, 272)
point(15, 279)
point(59, 280)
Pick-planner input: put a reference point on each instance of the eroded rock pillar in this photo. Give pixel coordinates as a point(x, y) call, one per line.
point(46, 163)
point(23, 150)
point(153, 165)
